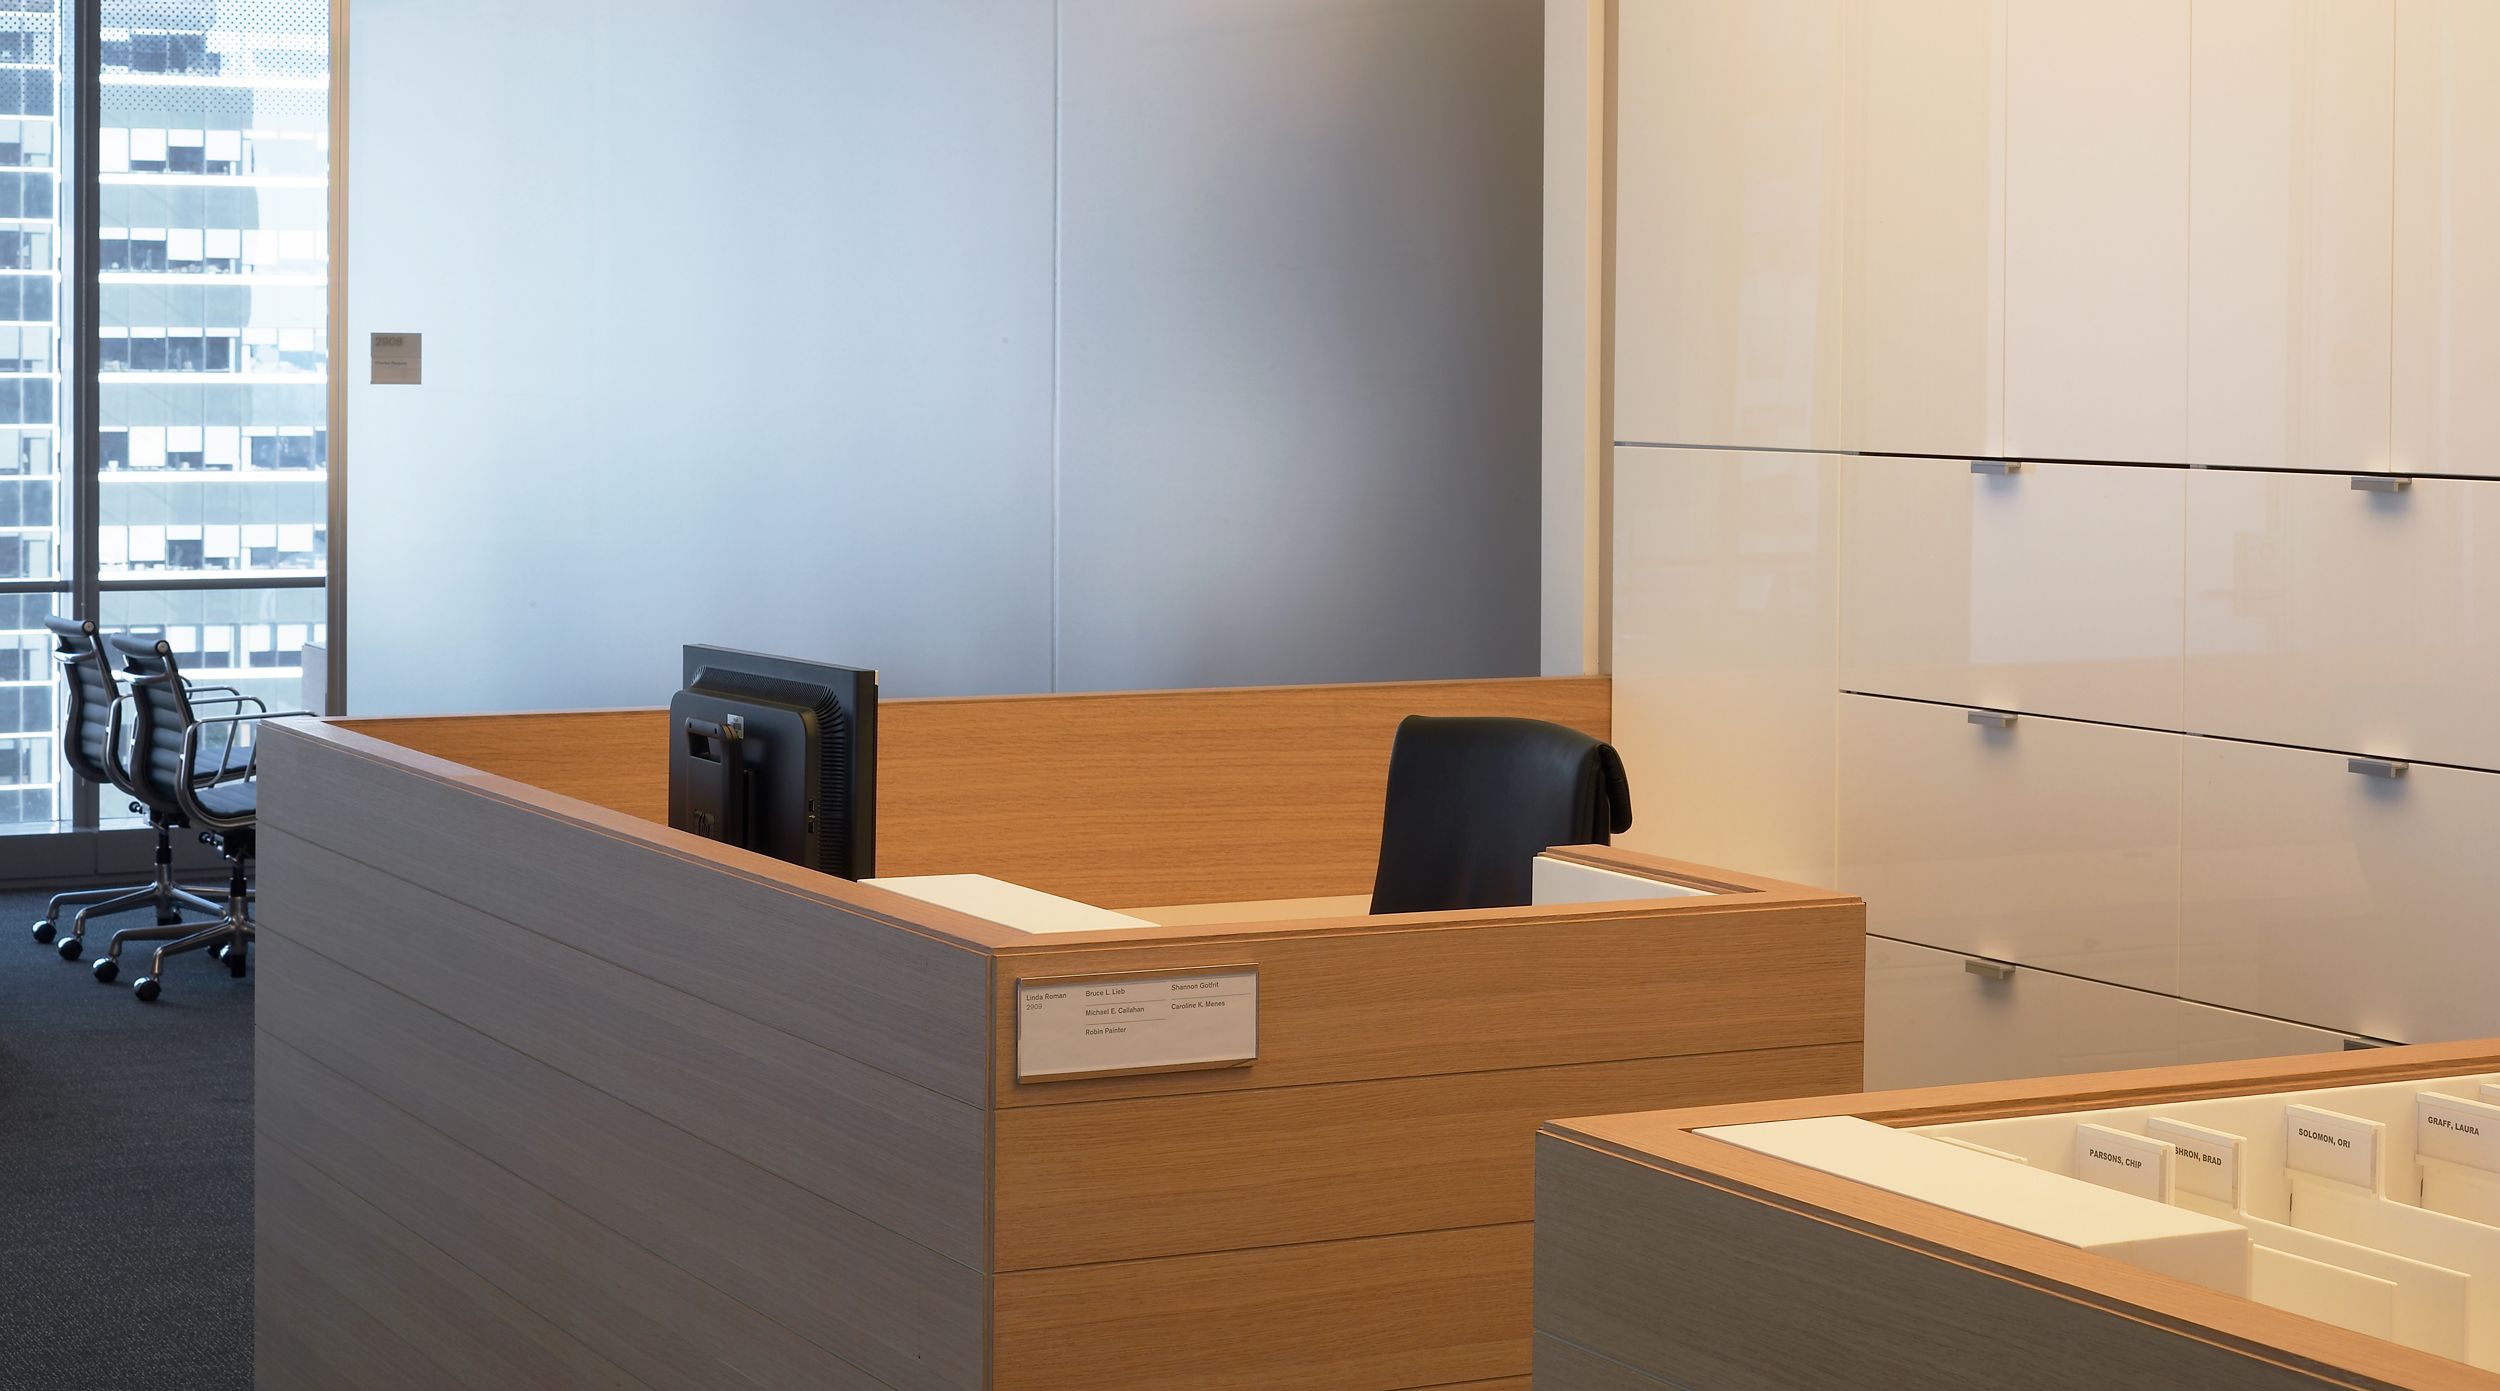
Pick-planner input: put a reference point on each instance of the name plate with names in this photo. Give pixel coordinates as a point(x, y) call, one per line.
point(2129, 1163)
point(2343, 1148)
point(1073, 1027)
point(2208, 1160)
point(2457, 1130)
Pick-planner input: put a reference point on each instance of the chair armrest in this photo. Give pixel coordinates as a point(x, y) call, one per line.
point(191, 749)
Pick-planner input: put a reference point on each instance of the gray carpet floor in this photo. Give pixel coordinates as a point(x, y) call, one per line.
point(125, 1171)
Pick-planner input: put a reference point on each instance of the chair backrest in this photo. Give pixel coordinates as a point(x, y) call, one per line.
point(1473, 801)
point(87, 674)
point(160, 714)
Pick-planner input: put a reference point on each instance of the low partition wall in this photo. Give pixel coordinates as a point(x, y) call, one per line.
point(549, 1095)
point(1118, 798)
point(2294, 1224)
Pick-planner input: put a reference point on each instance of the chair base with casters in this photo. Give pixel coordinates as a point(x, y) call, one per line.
point(162, 893)
point(229, 939)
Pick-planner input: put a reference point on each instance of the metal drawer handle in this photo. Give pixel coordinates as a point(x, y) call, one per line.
point(2379, 483)
point(1996, 466)
point(1993, 719)
point(1990, 970)
point(2376, 767)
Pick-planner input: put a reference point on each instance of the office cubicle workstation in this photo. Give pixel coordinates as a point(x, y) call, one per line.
point(2296, 1223)
point(550, 1093)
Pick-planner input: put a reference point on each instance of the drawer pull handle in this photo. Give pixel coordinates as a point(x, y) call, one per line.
point(1990, 970)
point(1993, 719)
point(2376, 767)
point(2379, 483)
point(1999, 467)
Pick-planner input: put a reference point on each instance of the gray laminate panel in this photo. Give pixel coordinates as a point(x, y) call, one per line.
point(1709, 1291)
point(898, 1154)
point(893, 999)
point(902, 1312)
point(1562, 1366)
point(642, 1313)
point(473, 1333)
point(305, 1337)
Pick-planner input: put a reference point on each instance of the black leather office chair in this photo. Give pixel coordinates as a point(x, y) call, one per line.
point(168, 738)
point(1473, 801)
point(91, 745)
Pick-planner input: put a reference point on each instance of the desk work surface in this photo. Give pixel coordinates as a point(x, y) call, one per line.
point(1008, 905)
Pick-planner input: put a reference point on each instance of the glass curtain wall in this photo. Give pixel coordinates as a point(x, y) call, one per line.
point(192, 502)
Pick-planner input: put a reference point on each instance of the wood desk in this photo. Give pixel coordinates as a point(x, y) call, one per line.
point(552, 1095)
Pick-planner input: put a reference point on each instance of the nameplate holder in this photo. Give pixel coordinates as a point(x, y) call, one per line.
point(2208, 1160)
point(2129, 1163)
point(1136, 1023)
point(2457, 1130)
point(2329, 1145)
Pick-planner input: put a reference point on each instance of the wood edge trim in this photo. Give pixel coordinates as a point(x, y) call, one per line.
point(2090, 1091)
point(878, 906)
point(1774, 906)
point(2231, 1323)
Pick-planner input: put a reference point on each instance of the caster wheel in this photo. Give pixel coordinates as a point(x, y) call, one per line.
point(72, 948)
point(105, 969)
point(146, 988)
point(221, 952)
point(169, 920)
point(43, 933)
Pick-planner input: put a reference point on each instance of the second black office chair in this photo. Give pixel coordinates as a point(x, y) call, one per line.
point(91, 745)
point(1474, 800)
point(167, 741)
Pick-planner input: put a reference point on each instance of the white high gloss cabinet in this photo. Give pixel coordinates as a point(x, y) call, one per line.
point(2291, 296)
point(2054, 588)
point(1728, 227)
point(1935, 1018)
point(1724, 619)
point(2447, 238)
point(2332, 618)
point(2096, 229)
point(1924, 365)
point(2350, 901)
point(2048, 842)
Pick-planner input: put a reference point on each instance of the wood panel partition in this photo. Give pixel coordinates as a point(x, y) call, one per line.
point(1119, 798)
point(553, 1096)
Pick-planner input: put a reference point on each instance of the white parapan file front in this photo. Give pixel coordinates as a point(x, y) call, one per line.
point(2375, 1208)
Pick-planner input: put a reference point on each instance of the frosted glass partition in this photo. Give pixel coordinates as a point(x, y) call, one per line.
point(736, 327)
point(1003, 345)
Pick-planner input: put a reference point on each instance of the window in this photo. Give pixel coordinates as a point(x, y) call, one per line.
point(207, 447)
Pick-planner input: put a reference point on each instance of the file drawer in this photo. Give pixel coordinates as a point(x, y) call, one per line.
point(1932, 1019)
point(2354, 902)
point(2045, 842)
point(2054, 588)
point(2334, 618)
